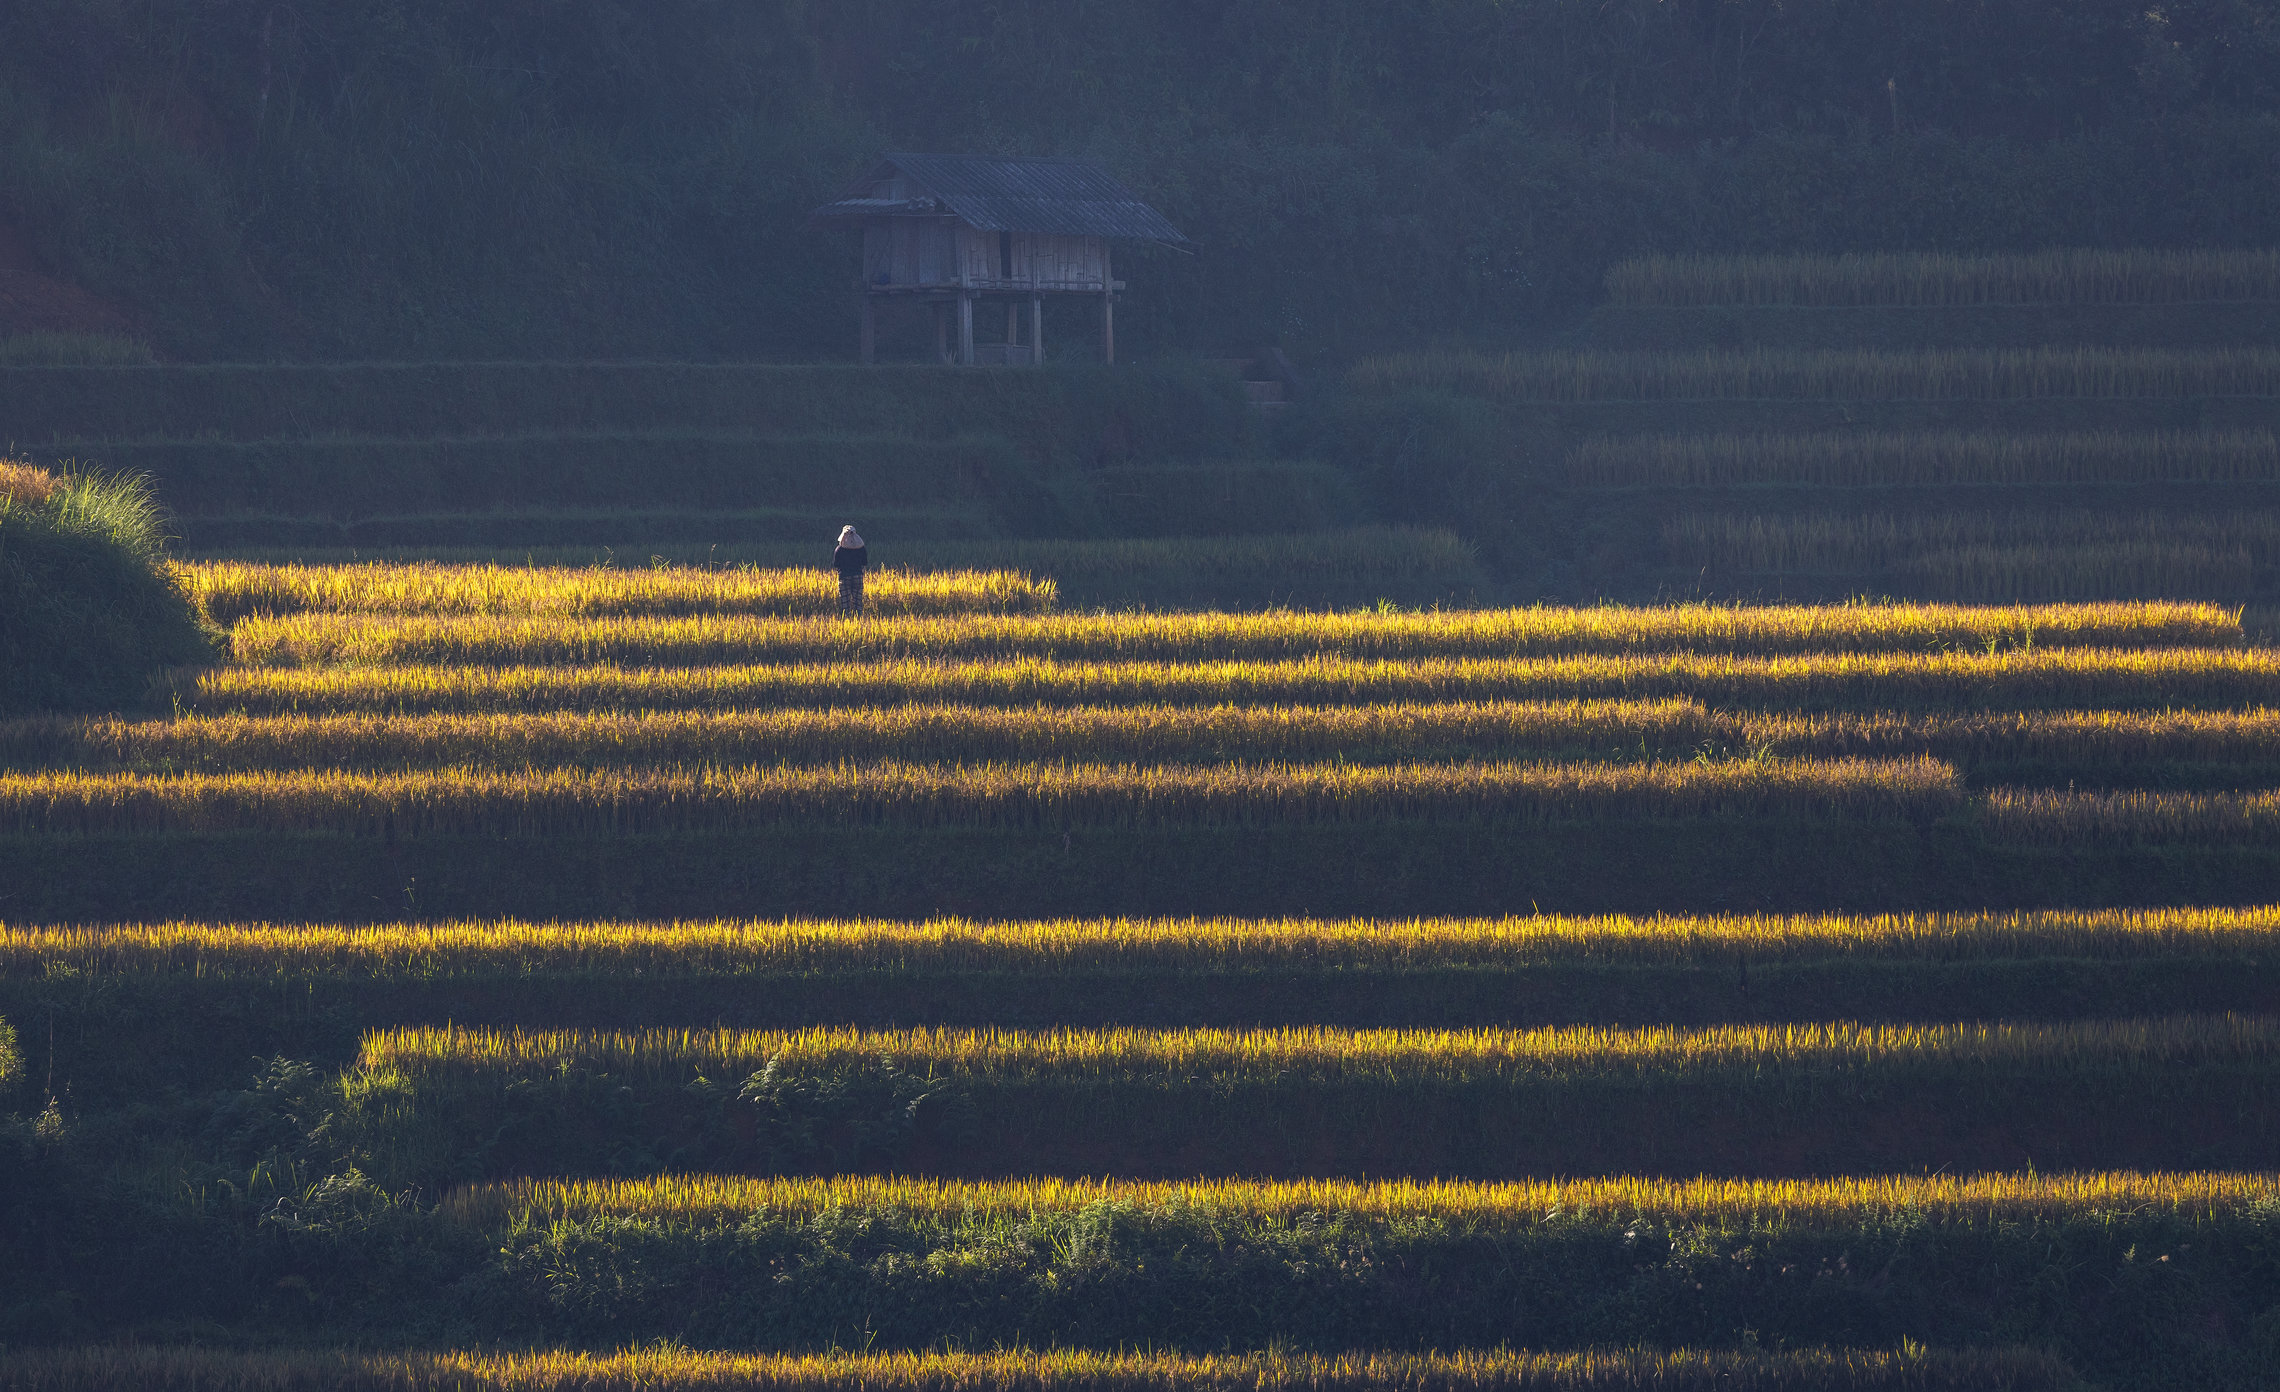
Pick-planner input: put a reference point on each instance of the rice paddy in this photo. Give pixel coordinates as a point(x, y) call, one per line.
point(665, 981)
point(1956, 374)
point(709, 640)
point(2229, 679)
point(542, 802)
point(505, 949)
point(1286, 1057)
point(563, 1095)
point(2064, 276)
point(1911, 1369)
point(1390, 733)
point(1614, 1200)
point(1946, 459)
point(229, 591)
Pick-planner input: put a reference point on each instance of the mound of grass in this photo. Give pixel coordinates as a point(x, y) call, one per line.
point(92, 609)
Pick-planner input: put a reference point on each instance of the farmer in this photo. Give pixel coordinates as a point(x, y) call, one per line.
point(849, 561)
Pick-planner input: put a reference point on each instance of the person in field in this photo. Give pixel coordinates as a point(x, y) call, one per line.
point(849, 561)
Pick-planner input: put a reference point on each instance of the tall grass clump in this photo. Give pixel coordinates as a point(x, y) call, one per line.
point(1925, 458)
point(2063, 276)
point(91, 609)
point(11, 1062)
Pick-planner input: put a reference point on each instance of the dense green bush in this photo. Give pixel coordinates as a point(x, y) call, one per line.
point(89, 609)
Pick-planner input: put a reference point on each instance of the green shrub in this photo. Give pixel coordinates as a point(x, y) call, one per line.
point(11, 1062)
point(91, 610)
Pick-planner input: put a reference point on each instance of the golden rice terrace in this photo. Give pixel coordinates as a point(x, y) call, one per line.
point(1800, 912)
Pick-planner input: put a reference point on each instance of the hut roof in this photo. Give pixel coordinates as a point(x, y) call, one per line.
point(1071, 197)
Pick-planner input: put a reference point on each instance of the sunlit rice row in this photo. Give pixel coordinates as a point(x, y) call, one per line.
point(542, 802)
point(2075, 819)
point(2090, 679)
point(1838, 374)
point(514, 948)
point(1912, 1368)
point(322, 638)
point(1398, 732)
point(710, 1199)
point(1294, 1055)
point(234, 590)
point(965, 734)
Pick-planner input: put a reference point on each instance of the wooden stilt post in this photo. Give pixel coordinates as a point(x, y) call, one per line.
point(1107, 307)
point(941, 332)
point(965, 328)
point(1012, 328)
point(1036, 330)
point(870, 329)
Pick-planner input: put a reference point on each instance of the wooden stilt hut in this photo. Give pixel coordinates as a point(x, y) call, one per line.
point(962, 233)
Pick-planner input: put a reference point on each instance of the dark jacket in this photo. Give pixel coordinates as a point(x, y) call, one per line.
point(850, 560)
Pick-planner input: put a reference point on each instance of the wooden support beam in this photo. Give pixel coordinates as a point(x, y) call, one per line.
point(941, 332)
point(1012, 326)
point(965, 328)
point(870, 334)
point(1036, 330)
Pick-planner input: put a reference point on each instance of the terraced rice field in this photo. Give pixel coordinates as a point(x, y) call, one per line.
point(1513, 998)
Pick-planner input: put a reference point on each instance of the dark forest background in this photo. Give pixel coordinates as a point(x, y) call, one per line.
point(625, 178)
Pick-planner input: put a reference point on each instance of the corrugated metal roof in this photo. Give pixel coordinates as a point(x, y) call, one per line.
point(1068, 196)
